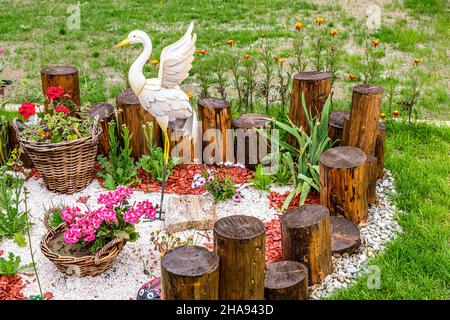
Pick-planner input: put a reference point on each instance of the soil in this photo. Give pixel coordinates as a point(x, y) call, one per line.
point(59, 246)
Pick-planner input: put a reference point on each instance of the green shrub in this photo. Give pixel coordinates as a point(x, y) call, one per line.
point(262, 179)
point(11, 266)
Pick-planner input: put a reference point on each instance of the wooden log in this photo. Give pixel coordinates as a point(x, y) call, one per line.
point(65, 77)
point(345, 235)
point(215, 115)
point(379, 149)
point(25, 158)
point(345, 129)
point(342, 182)
point(183, 148)
point(135, 117)
point(364, 115)
point(251, 147)
point(105, 113)
point(336, 126)
point(240, 243)
point(286, 280)
point(190, 273)
point(306, 238)
point(371, 179)
point(316, 86)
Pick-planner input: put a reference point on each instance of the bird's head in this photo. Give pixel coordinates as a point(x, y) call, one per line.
point(135, 36)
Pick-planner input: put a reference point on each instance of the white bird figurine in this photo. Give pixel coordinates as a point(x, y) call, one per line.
point(162, 96)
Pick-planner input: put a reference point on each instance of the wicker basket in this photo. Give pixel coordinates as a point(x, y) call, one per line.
point(81, 266)
point(66, 167)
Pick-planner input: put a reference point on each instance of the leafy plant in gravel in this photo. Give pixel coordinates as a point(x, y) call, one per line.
point(12, 266)
point(262, 179)
point(119, 168)
point(165, 242)
point(283, 174)
point(221, 187)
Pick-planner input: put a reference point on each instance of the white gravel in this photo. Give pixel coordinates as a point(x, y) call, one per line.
point(137, 263)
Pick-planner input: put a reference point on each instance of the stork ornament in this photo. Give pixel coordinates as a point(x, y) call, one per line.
point(162, 96)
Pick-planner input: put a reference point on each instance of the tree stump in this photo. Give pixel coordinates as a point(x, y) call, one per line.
point(135, 117)
point(336, 126)
point(215, 115)
point(65, 77)
point(345, 128)
point(190, 273)
point(254, 144)
point(286, 280)
point(371, 179)
point(25, 158)
point(364, 115)
point(316, 86)
point(306, 238)
point(379, 149)
point(240, 243)
point(105, 113)
point(345, 235)
point(183, 148)
point(343, 182)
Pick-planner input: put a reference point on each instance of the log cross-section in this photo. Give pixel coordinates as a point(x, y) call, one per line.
point(240, 243)
point(286, 280)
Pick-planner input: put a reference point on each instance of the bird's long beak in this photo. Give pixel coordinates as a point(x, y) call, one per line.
point(122, 43)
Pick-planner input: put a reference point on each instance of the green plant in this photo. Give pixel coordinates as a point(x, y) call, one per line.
point(372, 64)
point(4, 138)
point(12, 265)
point(262, 179)
point(119, 168)
point(283, 79)
point(298, 44)
point(221, 188)
point(264, 86)
point(283, 174)
point(153, 162)
point(411, 93)
point(164, 243)
point(204, 74)
point(237, 77)
point(249, 82)
point(220, 76)
point(319, 44)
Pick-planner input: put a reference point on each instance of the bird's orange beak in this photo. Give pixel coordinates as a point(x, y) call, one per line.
point(122, 43)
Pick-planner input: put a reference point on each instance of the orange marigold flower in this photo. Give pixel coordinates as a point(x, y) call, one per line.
point(202, 52)
point(276, 58)
point(230, 42)
point(416, 61)
point(333, 32)
point(247, 56)
point(382, 115)
point(281, 61)
point(190, 95)
point(155, 62)
point(298, 26)
point(319, 20)
point(352, 77)
point(396, 113)
point(375, 43)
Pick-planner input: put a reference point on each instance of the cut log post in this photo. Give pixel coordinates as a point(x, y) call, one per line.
point(25, 158)
point(336, 126)
point(379, 149)
point(65, 77)
point(183, 148)
point(364, 115)
point(343, 183)
point(345, 129)
point(215, 115)
point(240, 243)
point(135, 117)
point(345, 235)
point(251, 147)
point(286, 280)
point(306, 238)
point(105, 113)
point(371, 179)
point(190, 273)
point(316, 87)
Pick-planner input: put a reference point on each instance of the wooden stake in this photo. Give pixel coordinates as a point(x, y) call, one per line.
point(364, 115)
point(371, 179)
point(105, 113)
point(306, 238)
point(190, 273)
point(240, 244)
point(215, 115)
point(65, 77)
point(135, 117)
point(379, 149)
point(286, 280)
point(254, 144)
point(336, 126)
point(343, 183)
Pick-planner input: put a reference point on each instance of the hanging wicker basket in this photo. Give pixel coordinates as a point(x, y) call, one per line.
point(66, 167)
point(92, 265)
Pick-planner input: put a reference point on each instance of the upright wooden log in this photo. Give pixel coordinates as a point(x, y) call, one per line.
point(336, 126)
point(190, 273)
point(345, 235)
point(343, 182)
point(240, 244)
point(25, 158)
point(316, 86)
point(371, 179)
point(135, 117)
point(105, 113)
point(183, 148)
point(251, 147)
point(345, 129)
point(306, 238)
point(215, 115)
point(379, 149)
point(366, 104)
point(65, 77)
point(286, 280)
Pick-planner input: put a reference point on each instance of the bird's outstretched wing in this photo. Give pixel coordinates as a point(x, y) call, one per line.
point(176, 60)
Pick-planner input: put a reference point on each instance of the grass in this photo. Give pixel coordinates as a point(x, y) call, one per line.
point(417, 264)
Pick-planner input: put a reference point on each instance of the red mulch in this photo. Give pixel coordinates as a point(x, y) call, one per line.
point(180, 182)
point(11, 288)
point(276, 200)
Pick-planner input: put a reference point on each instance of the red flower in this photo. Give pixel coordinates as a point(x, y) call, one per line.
point(298, 26)
point(230, 42)
point(333, 32)
point(352, 77)
point(62, 108)
point(202, 52)
point(1, 252)
point(276, 58)
point(27, 109)
point(53, 93)
point(395, 113)
point(247, 56)
point(382, 115)
point(375, 43)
